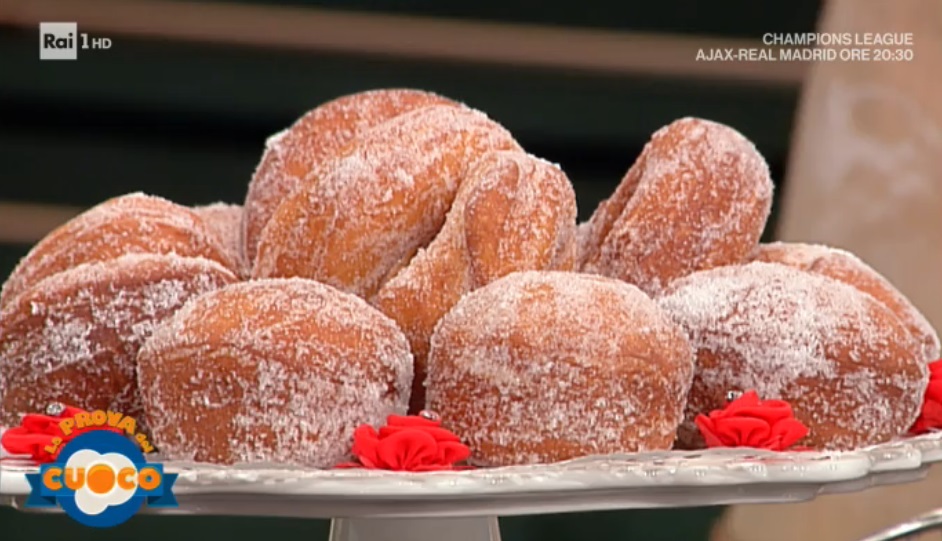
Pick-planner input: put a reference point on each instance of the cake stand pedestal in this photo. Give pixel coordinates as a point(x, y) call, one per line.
point(403, 529)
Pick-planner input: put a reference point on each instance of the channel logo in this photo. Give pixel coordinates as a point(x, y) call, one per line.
point(62, 41)
point(101, 479)
point(58, 41)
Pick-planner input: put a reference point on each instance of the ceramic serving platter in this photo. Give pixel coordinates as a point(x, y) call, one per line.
point(668, 479)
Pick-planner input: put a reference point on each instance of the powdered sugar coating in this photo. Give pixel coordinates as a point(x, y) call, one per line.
point(225, 220)
point(74, 336)
point(848, 268)
point(513, 212)
point(276, 371)
point(546, 366)
point(365, 215)
point(584, 241)
point(848, 366)
point(698, 197)
point(520, 216)
point(291, 155)
point(133, 223)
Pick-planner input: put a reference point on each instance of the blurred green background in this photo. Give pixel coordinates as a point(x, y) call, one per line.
point(187, 119)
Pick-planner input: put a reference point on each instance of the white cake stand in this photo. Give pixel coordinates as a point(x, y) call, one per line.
point(463, 506)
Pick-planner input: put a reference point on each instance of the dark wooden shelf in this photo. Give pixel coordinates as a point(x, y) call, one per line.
point(727, 18)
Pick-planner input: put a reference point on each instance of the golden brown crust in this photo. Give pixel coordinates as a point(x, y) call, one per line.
point(849, 269)
point(226, 222)
point(290, 157)
point(74, 336)
point(513, 212)
point(273, 371)
point(698, 197)
point(404, 216)
point(520, 214)
point(384, 197)
point(133, 223)
point(850, 369)
point(547, 366)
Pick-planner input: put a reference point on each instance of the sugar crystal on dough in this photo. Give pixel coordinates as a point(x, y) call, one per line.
point(786, 326)
point(92, 319)
point(541, 340)
point(267, 330)
point(143, 216)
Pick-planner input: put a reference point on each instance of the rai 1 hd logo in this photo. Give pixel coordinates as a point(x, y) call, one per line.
point(101, 478)
point(62, 41)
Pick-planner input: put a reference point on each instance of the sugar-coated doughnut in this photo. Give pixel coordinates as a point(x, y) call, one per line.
point(398, 250)
point(513, 212)
point(134, 223)
point(74, 336)
point(272, 371)
point(386, 197)
point(293, 154)
point(851, 370)
point(225, 221)
point(548, 366)
point(698, 197)
point(848, 268)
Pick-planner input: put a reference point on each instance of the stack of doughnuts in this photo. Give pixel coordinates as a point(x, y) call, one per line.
point(418, 211)
point(78, 307)
point(398, 250)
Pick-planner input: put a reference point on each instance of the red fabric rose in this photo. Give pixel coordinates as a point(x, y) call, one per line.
point(415, 443)
point(930, 417)
point(750, 422)
point(39, 436)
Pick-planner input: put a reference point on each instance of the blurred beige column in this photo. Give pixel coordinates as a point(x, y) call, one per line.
point(866, 175)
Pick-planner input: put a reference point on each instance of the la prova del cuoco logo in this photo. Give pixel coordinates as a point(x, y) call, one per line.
point(101, 477)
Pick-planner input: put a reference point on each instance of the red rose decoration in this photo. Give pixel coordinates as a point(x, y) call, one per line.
point(415, 443)
point(40, 437)
point(750, 422)
point(931, 415)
